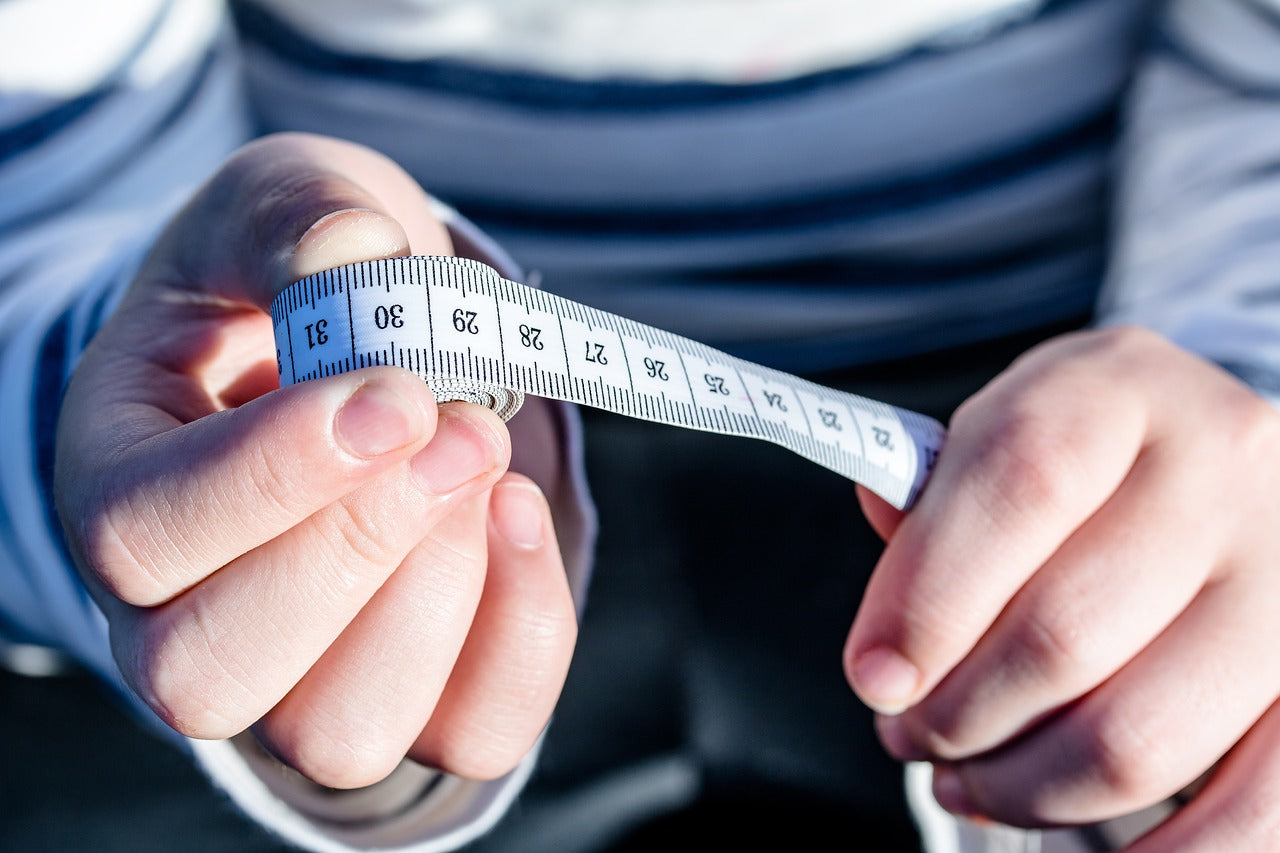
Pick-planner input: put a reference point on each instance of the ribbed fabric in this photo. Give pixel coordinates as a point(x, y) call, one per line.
point(837, 217)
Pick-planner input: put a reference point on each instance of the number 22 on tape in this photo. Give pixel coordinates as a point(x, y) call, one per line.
point(471, 334)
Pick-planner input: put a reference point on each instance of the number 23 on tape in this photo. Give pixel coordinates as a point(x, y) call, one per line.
point(468, 331)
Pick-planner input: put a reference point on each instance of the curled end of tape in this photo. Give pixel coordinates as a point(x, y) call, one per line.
point(504, 402)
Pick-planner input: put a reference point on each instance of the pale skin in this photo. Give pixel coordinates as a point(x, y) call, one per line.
point(342, 566)
point(1079, 616)
point(1075, 621)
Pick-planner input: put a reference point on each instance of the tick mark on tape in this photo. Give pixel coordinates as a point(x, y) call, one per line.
point(347, 316)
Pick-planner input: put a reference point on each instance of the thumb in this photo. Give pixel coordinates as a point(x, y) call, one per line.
point(286, 206)
point(192, 335)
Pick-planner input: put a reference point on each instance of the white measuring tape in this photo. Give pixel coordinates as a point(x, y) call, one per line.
point(474, 335)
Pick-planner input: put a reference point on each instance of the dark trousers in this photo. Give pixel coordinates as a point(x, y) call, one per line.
point(706, 698)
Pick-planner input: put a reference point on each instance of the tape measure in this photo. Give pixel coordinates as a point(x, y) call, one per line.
point(474, 335)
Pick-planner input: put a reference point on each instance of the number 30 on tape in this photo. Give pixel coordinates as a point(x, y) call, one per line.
point(474, 335)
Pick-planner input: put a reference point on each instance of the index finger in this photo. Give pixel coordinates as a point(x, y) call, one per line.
point(152, 520)
point(1027, 461)
point(154, 458)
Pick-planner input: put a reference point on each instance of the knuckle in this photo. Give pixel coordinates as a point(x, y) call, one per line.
point(1248, 424)
point(1026, 464)
point(449, 592)
point(478, 753)
point(1133, 765)
point(361, 538)
point(1124, 350)
point(112, 543)
point(464, 556)
point(274, 482)
point(285, 204)
point(1128, 343)
point(546, 622)
point(244, 172)
point(952, 726)
point(495, 741)
point(184, 685)
point(558, 625)
point(527, 692)
point(1055, 643)
point(338, 755)
point(535, 684)
point(501, 727)
point(941, 728)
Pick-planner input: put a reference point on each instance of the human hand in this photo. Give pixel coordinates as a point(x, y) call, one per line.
point(340, 565)
point(1078, 619)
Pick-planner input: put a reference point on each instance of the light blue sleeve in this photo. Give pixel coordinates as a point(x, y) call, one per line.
point(1197, 218)
point(91, 165)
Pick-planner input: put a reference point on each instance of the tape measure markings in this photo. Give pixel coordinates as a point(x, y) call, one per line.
point(509, 339)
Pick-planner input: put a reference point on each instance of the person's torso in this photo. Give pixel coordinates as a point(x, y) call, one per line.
point(808, 184)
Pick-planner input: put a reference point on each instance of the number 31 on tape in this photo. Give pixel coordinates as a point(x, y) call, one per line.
point(474, 335)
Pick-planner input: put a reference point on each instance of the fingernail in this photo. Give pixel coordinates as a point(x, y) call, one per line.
point(893, 734)
point(885, 679)
point(950, 793)
point(462, 449)
point(376, 420)
point(343, 237)
point(517, 509)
